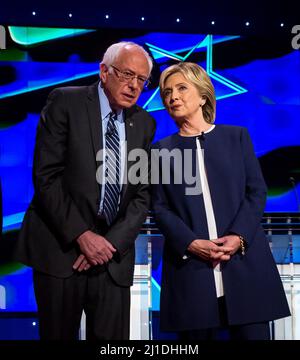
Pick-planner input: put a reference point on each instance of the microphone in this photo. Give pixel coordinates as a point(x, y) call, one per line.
point(201, 139)
point(293, 182)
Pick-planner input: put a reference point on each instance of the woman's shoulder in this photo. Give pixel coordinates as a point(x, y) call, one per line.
point(233, 132)
point(165, 142)
point(230, 129)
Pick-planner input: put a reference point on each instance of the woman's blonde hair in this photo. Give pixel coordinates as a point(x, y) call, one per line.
point(195, 74)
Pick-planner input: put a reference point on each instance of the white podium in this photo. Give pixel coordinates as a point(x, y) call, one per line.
point(286, 251)
point(140, 321)
point(289, 328)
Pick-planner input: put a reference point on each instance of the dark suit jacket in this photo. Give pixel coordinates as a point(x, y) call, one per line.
point(67, 196)
point(252, 285)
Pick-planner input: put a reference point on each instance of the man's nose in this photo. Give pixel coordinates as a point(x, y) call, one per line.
point(134, 82)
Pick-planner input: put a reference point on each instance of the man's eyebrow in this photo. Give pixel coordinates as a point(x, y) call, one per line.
point(133, 72)
point(127, 69)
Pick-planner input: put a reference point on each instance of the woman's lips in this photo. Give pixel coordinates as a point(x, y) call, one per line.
point(176, 107)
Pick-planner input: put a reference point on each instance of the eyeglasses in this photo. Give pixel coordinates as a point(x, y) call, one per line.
point(129, 76)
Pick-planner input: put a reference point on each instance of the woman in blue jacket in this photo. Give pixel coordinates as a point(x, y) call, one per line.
point(218, 270)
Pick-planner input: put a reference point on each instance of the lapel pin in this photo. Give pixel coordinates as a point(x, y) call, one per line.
point(131, 123)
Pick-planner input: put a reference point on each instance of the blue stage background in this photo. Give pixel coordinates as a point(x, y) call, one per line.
point(256, 81)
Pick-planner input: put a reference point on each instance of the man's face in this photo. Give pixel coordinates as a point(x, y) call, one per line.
point(123, 93)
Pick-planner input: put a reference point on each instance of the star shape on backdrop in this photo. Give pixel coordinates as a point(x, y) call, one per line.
point(154, 103)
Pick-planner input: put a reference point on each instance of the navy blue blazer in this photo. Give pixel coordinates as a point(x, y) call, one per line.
point(252, 285)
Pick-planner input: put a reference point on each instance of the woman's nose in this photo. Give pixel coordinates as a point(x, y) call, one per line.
point(174, 96)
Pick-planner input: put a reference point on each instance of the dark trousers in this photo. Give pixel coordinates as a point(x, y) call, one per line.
point(255, 331)
point(61, 302)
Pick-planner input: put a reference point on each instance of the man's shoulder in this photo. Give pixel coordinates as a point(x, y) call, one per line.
point(69, 97)
point(139, 113)
point(70, 90)
point(137, 110)
point(75, 91)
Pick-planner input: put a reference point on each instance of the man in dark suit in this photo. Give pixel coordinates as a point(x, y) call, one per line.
point(78, 234)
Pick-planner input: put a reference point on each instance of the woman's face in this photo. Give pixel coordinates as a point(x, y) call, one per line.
point(181, 98)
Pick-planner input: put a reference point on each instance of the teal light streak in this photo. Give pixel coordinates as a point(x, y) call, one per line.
point(48, 84)
point(34, 35)
point(209, 61)
point(14, 219)
point(194, 48)
point(173, 55)
point(150, 98)
point(221, 97)
point(157, 109)
point(155, 283)
point(208, 43)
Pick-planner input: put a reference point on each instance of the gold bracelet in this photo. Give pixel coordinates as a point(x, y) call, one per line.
point(242, 245)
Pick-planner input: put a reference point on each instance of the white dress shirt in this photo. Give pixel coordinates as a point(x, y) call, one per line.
point(211, 222)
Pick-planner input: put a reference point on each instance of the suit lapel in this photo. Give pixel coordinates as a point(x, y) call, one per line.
point(130, 129)
point(130, 144)
point(94, 119)
point(94, 115)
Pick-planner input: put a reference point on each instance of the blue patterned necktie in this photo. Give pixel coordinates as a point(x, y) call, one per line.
point(112, 170)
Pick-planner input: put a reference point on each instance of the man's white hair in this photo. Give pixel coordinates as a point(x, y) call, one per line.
point(114, 50)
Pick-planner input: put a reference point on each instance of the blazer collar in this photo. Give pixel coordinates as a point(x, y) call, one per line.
point(94, 116)
point(130, 130)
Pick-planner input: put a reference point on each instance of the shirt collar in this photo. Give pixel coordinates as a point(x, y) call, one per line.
point(105, 106)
